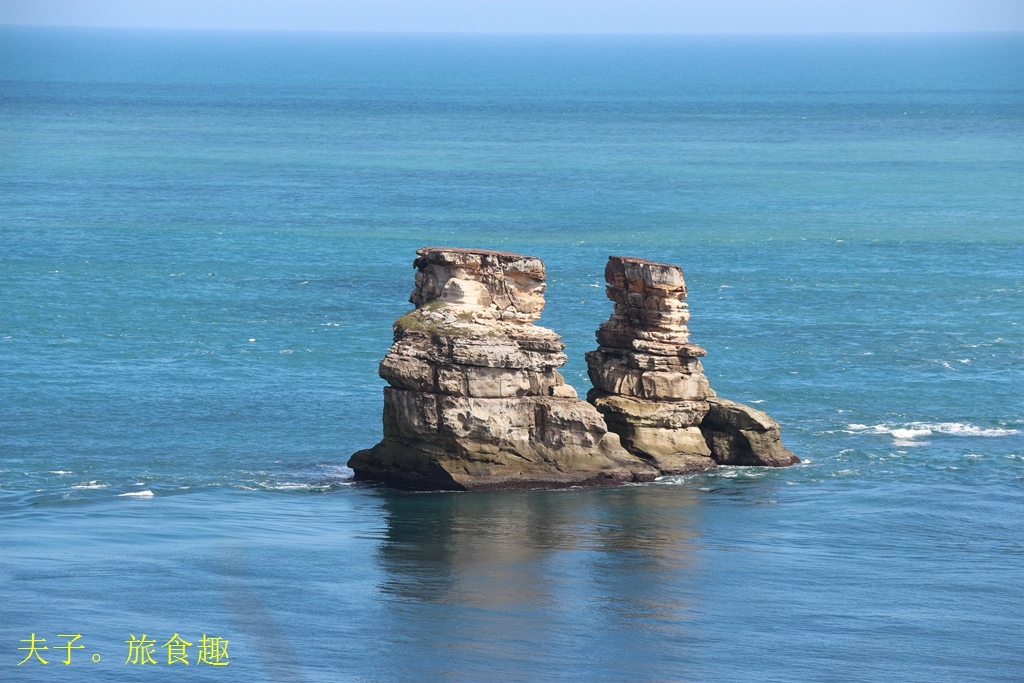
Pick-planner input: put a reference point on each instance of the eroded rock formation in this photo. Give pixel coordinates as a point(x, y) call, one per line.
point(650, 386)
point(475, 399)
point(648, 380)
point(741, 435)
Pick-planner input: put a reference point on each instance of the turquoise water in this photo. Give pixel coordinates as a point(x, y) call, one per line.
point(204, 239)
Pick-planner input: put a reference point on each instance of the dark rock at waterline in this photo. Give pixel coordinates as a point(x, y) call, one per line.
point(740, 435)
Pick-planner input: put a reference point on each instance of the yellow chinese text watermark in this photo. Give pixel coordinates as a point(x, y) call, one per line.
point(210, 650)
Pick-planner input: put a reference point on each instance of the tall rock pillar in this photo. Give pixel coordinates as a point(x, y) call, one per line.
point(474, 397)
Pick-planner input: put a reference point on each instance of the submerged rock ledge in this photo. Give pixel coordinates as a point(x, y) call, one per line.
point(475, 400)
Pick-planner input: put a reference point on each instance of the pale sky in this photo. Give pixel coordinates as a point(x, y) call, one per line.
point(531, 16)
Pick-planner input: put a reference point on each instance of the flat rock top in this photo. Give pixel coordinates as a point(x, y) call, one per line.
point(643, 262)
point(622, 271)
point(425, 251)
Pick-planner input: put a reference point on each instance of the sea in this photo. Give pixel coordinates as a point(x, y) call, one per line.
point(206, 236)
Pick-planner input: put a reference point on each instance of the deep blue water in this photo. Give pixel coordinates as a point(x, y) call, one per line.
point(205, 237)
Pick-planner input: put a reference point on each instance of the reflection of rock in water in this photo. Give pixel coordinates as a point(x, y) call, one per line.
point(621, 553)
point(253, 618)
point(436, 543)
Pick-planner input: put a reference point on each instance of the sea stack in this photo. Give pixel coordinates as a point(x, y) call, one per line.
point(650, 386)
point(475, 399)
point(648, 380)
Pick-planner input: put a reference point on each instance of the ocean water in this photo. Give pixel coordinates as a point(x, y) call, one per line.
point(205, 237)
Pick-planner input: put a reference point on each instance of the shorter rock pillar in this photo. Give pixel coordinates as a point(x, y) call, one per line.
point(650, 386)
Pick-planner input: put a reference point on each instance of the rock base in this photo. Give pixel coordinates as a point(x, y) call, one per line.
point(740, 435)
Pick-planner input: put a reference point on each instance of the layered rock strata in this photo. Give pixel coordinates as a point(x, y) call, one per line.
point(474, 397)
point(650, 386)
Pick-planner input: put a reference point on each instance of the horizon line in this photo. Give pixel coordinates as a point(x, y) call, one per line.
point(325, 31)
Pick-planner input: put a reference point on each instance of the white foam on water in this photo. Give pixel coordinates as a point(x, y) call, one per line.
point(91, 485)
point(61, 472)
point(909, 431)
point(906, 434)
point(960, 429)
point(673, 479)
point(340, 471)
point(136, 494)
point(284, 486)
point(295, 486)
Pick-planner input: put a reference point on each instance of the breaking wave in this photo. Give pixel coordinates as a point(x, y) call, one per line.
point(908, 431)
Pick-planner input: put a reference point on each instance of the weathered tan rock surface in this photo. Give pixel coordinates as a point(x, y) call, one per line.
point(475, 399)
point(648, 380)
point(650, 386)
point(741, 435)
